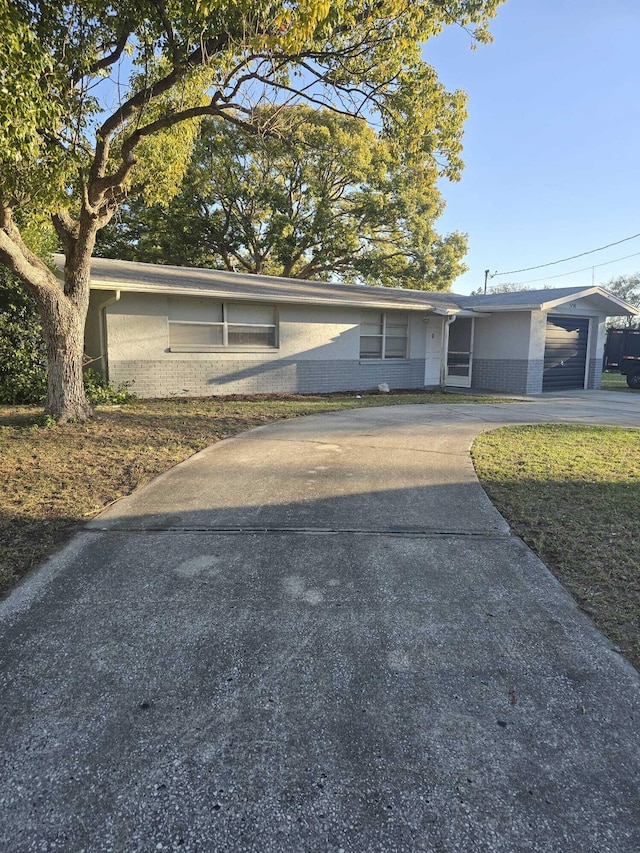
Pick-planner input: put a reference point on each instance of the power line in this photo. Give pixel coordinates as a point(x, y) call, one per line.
point(571, 258)
point(573, 272)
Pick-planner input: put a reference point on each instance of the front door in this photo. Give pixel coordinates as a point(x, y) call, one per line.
point(460, 353)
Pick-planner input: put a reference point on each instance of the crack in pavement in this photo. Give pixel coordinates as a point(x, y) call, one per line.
point(422, 532)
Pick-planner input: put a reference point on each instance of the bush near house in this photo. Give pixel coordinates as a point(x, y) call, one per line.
point(23, 358)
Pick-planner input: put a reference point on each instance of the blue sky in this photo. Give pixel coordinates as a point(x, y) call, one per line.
point(552, 141)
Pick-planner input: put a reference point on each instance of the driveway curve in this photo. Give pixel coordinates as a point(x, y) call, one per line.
point(318, 635)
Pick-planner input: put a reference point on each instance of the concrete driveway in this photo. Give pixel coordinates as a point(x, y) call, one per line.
point(318, 636)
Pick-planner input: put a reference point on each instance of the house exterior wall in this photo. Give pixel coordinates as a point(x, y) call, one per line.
point(319, 351)
point(509, 348)
point(93, 343)
point(501, 353)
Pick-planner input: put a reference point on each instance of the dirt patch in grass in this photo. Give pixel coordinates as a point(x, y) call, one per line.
point(573, 494)
point(54, 477)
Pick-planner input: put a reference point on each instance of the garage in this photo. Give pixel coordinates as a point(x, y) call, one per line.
point(565, 353)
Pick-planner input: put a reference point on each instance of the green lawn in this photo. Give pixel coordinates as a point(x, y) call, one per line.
point(616, 382)
point(573, 494)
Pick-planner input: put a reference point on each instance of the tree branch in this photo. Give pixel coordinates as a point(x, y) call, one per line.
point(109, 59)
point(196, 59)
point(67, 229)
point(16, 255)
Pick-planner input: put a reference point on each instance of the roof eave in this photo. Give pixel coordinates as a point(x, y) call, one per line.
point(620, 304)
point(98, 284)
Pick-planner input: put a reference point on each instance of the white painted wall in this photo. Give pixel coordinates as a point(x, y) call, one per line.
point(92, 330)
point(319, 332)
point(537, 335)
point(502, 335)
point(137, 327)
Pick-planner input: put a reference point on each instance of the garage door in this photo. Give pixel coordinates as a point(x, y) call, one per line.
point(565, 353)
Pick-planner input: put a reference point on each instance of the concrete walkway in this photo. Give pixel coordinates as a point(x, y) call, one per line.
point(318, 636)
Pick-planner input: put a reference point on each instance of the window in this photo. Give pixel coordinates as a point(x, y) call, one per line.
point(201, 325)
point(383, 334)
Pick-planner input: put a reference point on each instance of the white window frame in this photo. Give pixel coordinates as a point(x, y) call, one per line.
point(383, 335)
point(226, 325)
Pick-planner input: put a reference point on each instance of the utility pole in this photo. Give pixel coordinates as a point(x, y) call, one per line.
point(486, 276)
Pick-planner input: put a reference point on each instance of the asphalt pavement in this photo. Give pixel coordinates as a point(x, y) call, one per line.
point(318, 635)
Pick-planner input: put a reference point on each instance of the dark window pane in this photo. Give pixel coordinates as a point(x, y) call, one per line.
point(370, 347)
point(251, 336)
point(193, 335)
point(395, 347)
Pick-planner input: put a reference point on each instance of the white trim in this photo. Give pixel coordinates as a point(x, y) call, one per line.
point(461, 381)
point(264, 298)
point(585, 294)
point(588, 359)
point(383, 337)
point(225, 325)
point(590, 320)
point(102, 331)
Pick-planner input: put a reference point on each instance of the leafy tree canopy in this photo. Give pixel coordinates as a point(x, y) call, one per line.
point(329, 198)
point(625, 287)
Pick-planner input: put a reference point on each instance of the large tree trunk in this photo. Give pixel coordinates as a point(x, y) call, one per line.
point(63, 330)
point(62, 305)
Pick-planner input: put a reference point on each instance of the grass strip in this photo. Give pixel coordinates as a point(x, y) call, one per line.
point(616, 382)
point(572, 493)
point(55, 476)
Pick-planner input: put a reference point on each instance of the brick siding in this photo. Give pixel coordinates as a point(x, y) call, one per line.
point(195, 378)
point(595, 374)
point(510, 376)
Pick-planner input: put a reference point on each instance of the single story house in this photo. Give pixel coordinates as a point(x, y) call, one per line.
point(174, 331)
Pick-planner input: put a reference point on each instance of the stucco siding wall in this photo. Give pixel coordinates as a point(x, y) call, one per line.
point(93, 345)
point(138, 329)
point(502, 336)
point(537, 336)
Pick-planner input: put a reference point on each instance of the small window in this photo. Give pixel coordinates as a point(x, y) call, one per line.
point(384, 334)
point(199, 325)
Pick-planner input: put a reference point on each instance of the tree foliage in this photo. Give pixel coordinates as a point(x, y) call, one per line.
point(329, 198)
point(23, 359)
point(76, 144)
point(625, 287)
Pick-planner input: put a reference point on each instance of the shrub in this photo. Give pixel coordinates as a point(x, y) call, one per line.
point(23, 360)
point(100, 392)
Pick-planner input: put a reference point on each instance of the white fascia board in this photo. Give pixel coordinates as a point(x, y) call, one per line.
point(260, 297)
point(443, 312)
point(471, 312)
point(593, 291)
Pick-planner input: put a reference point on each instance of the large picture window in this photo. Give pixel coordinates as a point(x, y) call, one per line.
point(384, 334)
point(201, 325)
